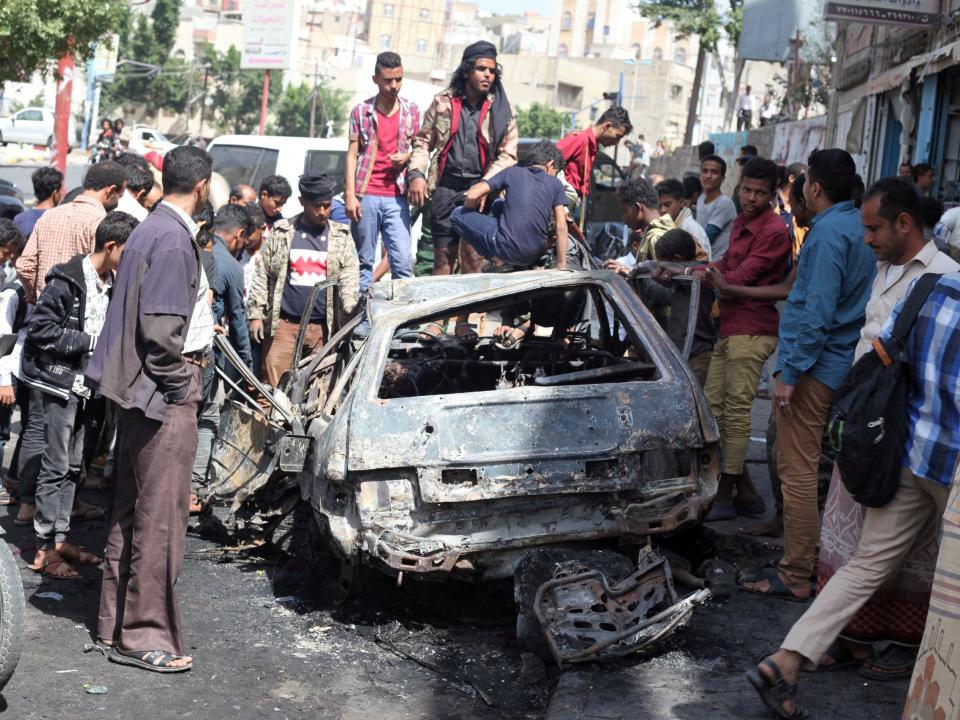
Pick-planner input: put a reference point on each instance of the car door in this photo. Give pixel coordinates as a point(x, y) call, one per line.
point(33, 127)
point(266, 435)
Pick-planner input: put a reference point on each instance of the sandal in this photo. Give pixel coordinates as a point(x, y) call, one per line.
point(467, 335)
point(777, 590)
point(48, 569)
point(85, 511)
point(894, 663)
point(8, 498)
point(840, 657)
point(776, 692)
point(78, 555)
point(752, 508)
point(511, 341)
point(152, 660)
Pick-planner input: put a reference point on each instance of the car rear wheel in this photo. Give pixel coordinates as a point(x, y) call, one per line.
point(3, 143)
point(50, 142)
point(334, 579)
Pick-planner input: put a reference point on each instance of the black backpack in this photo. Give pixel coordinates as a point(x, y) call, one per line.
point(868, 422)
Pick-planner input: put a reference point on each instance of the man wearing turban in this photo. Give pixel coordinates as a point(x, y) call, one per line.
point(471, 132)
point(297, 254)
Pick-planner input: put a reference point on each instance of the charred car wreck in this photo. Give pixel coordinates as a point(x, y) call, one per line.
point(421, 452)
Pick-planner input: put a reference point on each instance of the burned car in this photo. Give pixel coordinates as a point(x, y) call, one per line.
point(422, 452)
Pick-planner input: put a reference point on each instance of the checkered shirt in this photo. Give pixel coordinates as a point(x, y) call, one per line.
point(933, 349)
point(60, 233)
point(363, 128)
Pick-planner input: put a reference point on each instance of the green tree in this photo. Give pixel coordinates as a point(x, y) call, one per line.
point(700, 19)
point(34, 34)
point(149, 41)
point(235, 94)
point(292, 112)
point(540, 121)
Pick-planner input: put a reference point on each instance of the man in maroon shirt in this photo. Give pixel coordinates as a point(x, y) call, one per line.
point(580, 148)
point(757, 256)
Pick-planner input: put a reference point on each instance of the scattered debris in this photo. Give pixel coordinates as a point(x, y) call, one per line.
point(95, 689)
point(64, 672)
point(285, 600)
point(586, 618)
point(49, 596)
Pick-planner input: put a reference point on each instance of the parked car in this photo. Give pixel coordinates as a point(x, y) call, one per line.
point(33, 126)
point(144, 139)
point(251, 158)
point(416, 453)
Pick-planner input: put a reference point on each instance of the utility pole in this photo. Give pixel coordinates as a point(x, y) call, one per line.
point(263, 102)
point(313, 98)
point(203, 101)
point(61, 118)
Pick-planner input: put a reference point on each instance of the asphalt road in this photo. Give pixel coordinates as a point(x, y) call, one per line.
point(264, 647)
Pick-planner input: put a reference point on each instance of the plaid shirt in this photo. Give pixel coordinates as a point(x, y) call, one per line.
point(933, 348)
point(363, 127)
point(60, 233)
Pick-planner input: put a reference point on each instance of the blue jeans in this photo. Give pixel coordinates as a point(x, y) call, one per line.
point(390, 218)
point(477, 229)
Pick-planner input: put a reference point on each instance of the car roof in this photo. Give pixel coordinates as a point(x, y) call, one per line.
point(432, 292)
point(281, 142)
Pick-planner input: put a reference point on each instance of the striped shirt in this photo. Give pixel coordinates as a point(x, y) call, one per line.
point(363, 128)
point(60, 234)
point(933, 349)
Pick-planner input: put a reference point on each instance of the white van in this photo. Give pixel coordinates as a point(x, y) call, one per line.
point(251, 158)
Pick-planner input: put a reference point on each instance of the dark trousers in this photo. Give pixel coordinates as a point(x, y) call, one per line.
point(23, 403)
point(148, 526)
point(60, 468)
point(31, 448)
point(447, 195)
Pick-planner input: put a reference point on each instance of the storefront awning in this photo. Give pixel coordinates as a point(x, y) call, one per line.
point(940, 59)
point(894, 77)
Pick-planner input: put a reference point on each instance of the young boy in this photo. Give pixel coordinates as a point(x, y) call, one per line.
point(516, 231)
point(673, 202)
point(61, 334)
point(580, 149)
point(673, 301)
point(12, 313)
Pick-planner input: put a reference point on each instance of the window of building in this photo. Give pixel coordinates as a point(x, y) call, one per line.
point(676, 91)
point(421, 46)
point(606, 30)
point(563, 50)
point(567, 22)
point(384, 42)
point(388, 10)
point(637, 51)
point(591, 21)
point(424, 14)
point(680, 56)
point(658, 53)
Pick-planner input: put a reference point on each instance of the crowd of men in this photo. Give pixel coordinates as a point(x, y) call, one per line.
point(121, 286)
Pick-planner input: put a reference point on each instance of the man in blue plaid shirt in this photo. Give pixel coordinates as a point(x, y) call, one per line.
point(929, 467)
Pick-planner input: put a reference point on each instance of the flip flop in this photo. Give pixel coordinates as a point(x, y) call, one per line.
point(894, 663)
point(8, 498)
point(842, 658)
point(44, 569)
point(79, 556)
point(153, 660)
point(777, 590)
point(776, 692)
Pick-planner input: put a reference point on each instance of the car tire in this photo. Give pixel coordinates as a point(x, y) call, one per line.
point(334, 579)
point(2, 142)
point(50, 142)
point(11, 614)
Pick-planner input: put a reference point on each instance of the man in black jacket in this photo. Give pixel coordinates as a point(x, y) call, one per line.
point(61, 334)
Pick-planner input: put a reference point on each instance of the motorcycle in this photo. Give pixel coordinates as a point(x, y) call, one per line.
point(12, 609)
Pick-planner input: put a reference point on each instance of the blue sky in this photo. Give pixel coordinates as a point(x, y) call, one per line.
point(504, 7)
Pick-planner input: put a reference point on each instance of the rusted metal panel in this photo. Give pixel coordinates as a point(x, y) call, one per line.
point(585, 617)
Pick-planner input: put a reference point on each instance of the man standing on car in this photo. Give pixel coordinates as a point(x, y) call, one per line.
point(471, 129)
point(381, 133)
point(297, 254)
point(580, 148)
point(149, 359)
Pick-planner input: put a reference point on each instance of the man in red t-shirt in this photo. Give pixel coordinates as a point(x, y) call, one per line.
point(381, 130)
point(580, 148)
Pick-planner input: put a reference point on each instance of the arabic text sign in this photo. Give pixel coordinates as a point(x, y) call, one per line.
point(267, 34)
point(887, 12)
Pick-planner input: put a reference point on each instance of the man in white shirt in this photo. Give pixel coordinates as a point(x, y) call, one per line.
point(745, 110)
point(768, 111)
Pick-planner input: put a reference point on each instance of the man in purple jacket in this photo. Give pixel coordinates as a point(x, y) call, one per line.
point(155, 343)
